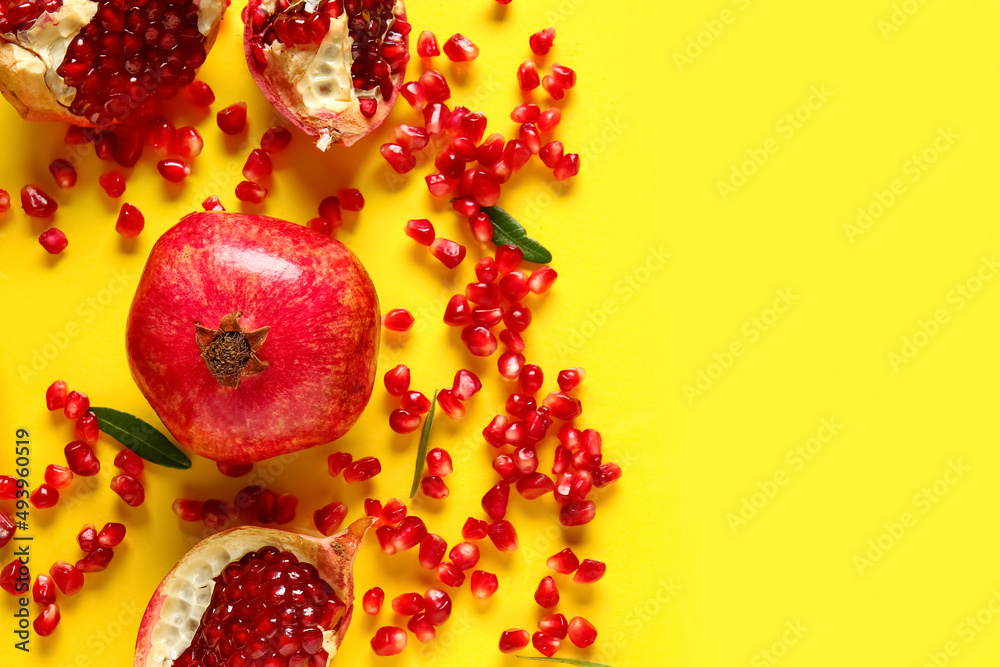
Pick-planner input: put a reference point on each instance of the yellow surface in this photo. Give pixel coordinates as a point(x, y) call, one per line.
point(802, 399)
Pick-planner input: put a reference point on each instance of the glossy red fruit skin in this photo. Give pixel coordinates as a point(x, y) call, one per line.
point(315, 296)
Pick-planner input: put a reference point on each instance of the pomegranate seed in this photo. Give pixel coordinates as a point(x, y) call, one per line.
point(460, 49)
point(563, 562)
point(526, 459)
point(398, 319)
point(213, 204)
point(389, 640)
point(534, 485)
point(435, 86)
point(525, 113)
point(465, 555)
point(368, 106)
point(362, 469)
point(580, 485)
point(495, 500)
point(200, 93)
point(484, 584)
point(503, 535)
point(582, 632)
point(563, 484)
point(545, 644)
point(36, 203)
point(437, 606)
point(403, 421)
point(495, 430)
point(385, 535)
point(554, 625)
point(486, 192)
point(564, 76)
point(78, 136)
point(450, 575)
point(111, 535)
point(53, 240)
point(257, 166)
point(87, 428)
point(329, 517)
point(541, 41)
point(547, 595)
point(421, 231)
point(398, 158)
point(474, 529)
point(7, 528)
point(129, 462)
point(568, 167)
point(63, 173)
point(96, 561)
point(159, 132)
point(67, 577)
point(8, 487)
point(486, 270)
point(562, 460)
point(130, 221)
point(329, 208)
point(551, 153)
point(58, 476)
point(421, 628)
point(435, 116)
point(129, 488)
point(233, 118)
point(465, 385)
point(432, 549)
point(14, 577)
point(408, 604)
point(520, 405)
point(393, 512)
point(44, 497)
point(373, 508)
point(46, 621)
point(44, 590)
point(490, 151)
point(457, 312)
point(250, 192)
point(465, 207)
point(417, 403)
point(541, 280)
point(554, 90)
point(516, 154)
point(439, 462)
point(427, 46)
point(397, 380)
point(480, 341)
point(229, 469)
point(275, 140)
point(434, 487)
point(55, 396)
point(414, 94)
point(548, 119)
point(527, 76)
point(562, 407)
point(589, 571)
point(174, 171)
point(577, 513)
point(448, 252)
point(113, 183)
point(504, 465)
point(512, 640)
point(372, 600)
point(217, 513)
point(474, 127)
point(517, 317)
point(410, 137)
point(464, 149)
point(528, 133)
point(187, 143)
point(4, 201)
point(351, 199)
point(607, 473)
point(188, 510)
point(410, 533)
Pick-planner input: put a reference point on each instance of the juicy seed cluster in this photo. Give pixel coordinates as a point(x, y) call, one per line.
point(267, 609)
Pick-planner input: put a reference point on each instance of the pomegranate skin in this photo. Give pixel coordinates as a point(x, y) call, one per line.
point(319, 353)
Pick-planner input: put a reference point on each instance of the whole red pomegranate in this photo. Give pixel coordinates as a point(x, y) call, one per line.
point(332, 67)
point(253, 596)
point(252, 337)
point(96, 63)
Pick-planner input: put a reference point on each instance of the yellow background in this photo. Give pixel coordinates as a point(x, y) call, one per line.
point(803, 403)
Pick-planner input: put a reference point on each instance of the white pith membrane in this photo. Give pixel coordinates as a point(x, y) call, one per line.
point(321, 75)
point(187, 590)
point(39, 50)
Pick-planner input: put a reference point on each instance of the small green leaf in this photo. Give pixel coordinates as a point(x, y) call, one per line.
point(568, 661)
point(425, 436)
point(141, 438)
point(507, 231)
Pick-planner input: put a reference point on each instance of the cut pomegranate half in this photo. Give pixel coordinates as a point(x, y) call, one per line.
point(253, 591)
point(332, 67)
point(98, 63)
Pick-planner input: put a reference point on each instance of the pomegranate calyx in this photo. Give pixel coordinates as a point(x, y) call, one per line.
point(230, 352)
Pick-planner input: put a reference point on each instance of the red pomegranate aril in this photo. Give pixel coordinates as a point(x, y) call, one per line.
point(87, 428)
point(37, 203)
point(420, 230)
point(450, 574)
point(372, 600)
point(57, 476)
point(251, 192)
point(484, 584)
point(129, 488)
point(188, 509)
point(582, 632)
point(111, 535)
point(607, 473)
point(81, 459)
point(362, 469)
point(510, 365)
point(414, 94)
point(436, 115)
point(534, 485)
point(516, 434)
point(44, 497)
point(398, 319)
point(551, 153)
point(563, 562)
point(495, 500)
point(527, 76)
point(4, 201)
point(583, 460)
point(525, 113)
point(435, 86)
point(541, 41)
point(412, 138)
point(408, 604)
point(15, 577)
point(520, 405)
point(216, 513)
point(53, 240)
point(329, 208)
point(503, 535)
point(337, 461)
point(490, 151)
point(450, 404)
point(129, 462)
point(514, 287)
point(233, 118)
point(389, 640)
point(439, 462)
point(275, 140)
point(432, 550)
point(434, 487)
point(368, 106)
point(46, 621)
point(78, 136)
point(398, 158)
point(410, 532)
point(329, 517)
point(96, 561)
point(174, 171)
point(448, 252)
point(427, 46)
point(257, 166)
point(589, 571)
point(323, 226)
point(351, 199)
point(554, 625)
point(385, 535)
point(187, 143)
point(465, 555)
point(568, 167)
point(580, 486)
point(483, 294)
point(577, 513)
point(130, 221)
point(504, 465)
point(465, 150)
point(63, 173)
point(457, 313)
point(564, 76)
point(562, 459)
point(421, 628)
point(563, 484)
point(397, 380)
point(200, 93)
point(437, 605)
point(466, 207)
point(562, 406)
point(528, 133)
point(547, 594)
point(530, 379)
point(55, 396)
point(485, 190)
point(212, 203)
point(570, 378)
point(417, 403)
point(9, 487)
point(541, 280)
point(393, 512)
point(474, 529)
point(233, 469)
point(403, 421)
point(159, 132)
point(438, 184)
point(516, 154)
point(513, 640)
point(77, 403)
point(460, 49)
point(548, 119)
point(526, 459)
point(43, 592)
point(474, 126)
point(551, 87)
point(480, 340)
point(67, 577)
point(267, 507)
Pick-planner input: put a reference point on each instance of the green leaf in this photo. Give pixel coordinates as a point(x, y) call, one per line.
point(507, 231)
point(568, 661)
point(141, 438)
point(425, 436)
